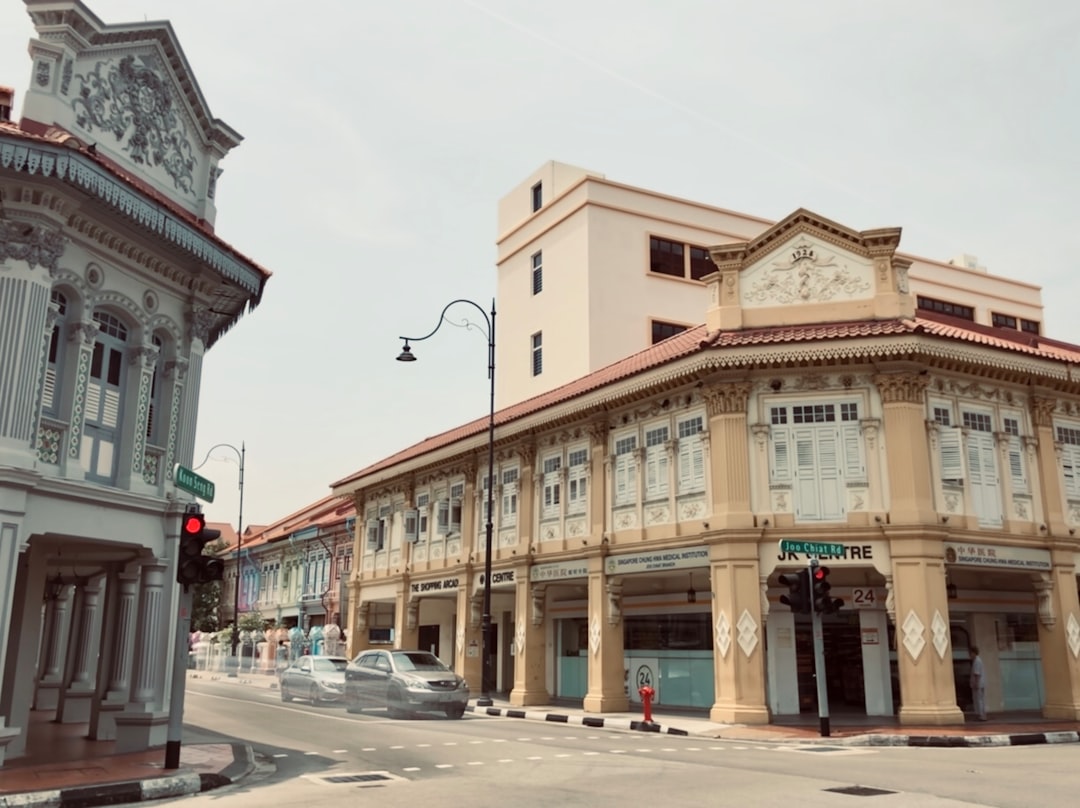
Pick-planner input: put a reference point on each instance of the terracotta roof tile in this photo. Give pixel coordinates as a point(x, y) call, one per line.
point(697, 339)
point(329, 510)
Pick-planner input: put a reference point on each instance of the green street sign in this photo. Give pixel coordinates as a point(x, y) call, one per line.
point(817, 548)
point(191, 482)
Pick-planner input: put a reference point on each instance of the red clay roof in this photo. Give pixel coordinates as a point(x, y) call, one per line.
point(696, 340)
point(329, 510)
point(57, 136)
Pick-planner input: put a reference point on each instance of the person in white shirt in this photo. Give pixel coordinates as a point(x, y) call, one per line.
point(978, 683)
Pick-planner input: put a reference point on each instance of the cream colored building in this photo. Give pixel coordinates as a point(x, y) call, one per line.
point(593, 270)
point(639, 507)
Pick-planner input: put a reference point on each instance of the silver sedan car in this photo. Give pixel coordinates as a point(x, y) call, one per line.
point(404, 682)
point(318, 679)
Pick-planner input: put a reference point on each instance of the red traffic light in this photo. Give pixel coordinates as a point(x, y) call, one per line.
point(820, 573)
point(193, 524)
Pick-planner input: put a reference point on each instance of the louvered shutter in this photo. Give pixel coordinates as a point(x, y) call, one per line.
point(691, 464)
point(455, 515)
point(442, 517)
point(780, 460)
point(1017, 466)
point(372, 527)
point(624, 477)
point(656, 471)
point(982, 472)
point(854, 453)
point(952, 458)
point(412, 525)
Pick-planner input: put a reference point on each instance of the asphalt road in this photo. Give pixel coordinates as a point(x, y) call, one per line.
point(312, 755)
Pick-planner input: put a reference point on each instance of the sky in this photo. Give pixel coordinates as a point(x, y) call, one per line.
point(379, 137)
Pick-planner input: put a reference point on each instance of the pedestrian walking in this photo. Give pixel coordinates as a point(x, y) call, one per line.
point(978, 683)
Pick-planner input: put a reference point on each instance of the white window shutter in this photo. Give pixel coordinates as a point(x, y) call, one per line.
point(372, 526)
point(455, 515)
point(624, 478)
point(442, 517)
point(952, 458)
point(854, 455)
point(982, 471)
point(691, 464)
point(1017, 468)
point(656, 471)
point(412, 525)
point(780, 450)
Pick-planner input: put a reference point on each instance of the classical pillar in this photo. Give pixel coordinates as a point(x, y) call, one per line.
point(923, 642)
point(1053, 498)
point(82, 337)
point(75, 705)
point(527, 497)
point(114, 666)
point(729, 454)
point(738, 648)
point(607, 665)
point(597, 476)
point(1059, 635)
point(908, 455)
point(359, 636)
point(406, 616)
point(143, 723)
point(143, 360)
point(57, 626)
point(468, 636)
point(530, 648)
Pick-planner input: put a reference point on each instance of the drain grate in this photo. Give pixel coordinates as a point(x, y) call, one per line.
point(355, 778)
point(859, 791)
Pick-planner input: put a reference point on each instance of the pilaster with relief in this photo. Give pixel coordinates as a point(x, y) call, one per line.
point(904, 425)
point(729, 454)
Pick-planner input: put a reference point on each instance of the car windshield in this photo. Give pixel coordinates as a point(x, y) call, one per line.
point(418, 661)
point(331, 664)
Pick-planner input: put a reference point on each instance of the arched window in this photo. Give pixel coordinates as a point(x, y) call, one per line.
point(50, 396)
point(104, 400)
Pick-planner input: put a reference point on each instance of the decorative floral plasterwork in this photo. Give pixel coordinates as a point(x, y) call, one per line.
point(594, 635)
point(34, 244)
point(748, 631)
point(1072, 635)
point(805, 277)
point(138, 107)
point(913, 629)
point(519, 636)
point(940, 631)
point(723, 634)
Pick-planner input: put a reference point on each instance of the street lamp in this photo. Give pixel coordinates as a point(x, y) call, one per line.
point(239, 541)
point(406, 355)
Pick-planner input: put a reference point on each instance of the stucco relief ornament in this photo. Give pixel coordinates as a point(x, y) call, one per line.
point(135, 104)
point(36, 245)
point(748, 631)
point(1072, 635)
point(805, 278)
point(594, 635)
point(723, 634)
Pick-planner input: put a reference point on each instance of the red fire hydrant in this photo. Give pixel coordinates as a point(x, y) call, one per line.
point(647, 694)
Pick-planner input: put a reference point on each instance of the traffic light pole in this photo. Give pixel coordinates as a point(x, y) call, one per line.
point(819, 659)
point(179, 675)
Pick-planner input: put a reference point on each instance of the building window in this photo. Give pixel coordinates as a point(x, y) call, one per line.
point(537, 353)
point(1029, 326)
point(943, 307)
point(457, 495)
point(508, 517)
point(1069, 438)
point(104, 397)
point(537, 196)
point(1015, 452)
point(54, 368)
point(656, 462)
point(679, 260)
point(816, 449)
point(423, 506)
point(537, 273)
point(1002, 320)
point(552, 486)
point(577, 461)
point(662, 331)
point(691, 454)
point(701, 265)
point(625, 469)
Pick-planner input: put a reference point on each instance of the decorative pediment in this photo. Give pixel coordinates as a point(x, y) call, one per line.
point(807, 269)
point(127, 91)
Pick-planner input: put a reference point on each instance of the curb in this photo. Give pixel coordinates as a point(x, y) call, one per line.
point(585, 721)
point(152, 788)
point(956, 741)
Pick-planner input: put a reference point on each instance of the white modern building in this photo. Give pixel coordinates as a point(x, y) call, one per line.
point(113, 285)
point(591, 270)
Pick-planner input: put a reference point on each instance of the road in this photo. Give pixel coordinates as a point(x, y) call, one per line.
point(311, 755)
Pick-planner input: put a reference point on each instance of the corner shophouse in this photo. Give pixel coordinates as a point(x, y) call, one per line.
point(639, 509)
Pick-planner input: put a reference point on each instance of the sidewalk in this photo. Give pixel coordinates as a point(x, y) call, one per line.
point(66, 770)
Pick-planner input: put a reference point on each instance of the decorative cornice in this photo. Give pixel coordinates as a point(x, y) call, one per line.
point(1042, 410)
point(907, 388)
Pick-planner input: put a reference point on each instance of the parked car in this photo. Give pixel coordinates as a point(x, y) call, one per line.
point(404, 682)
point(318, 679)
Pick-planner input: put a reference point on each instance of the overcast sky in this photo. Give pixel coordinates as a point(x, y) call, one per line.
point(379, 137)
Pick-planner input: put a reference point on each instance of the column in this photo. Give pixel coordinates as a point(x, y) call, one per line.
point(143, 360)
point(1049, 471)
point(75, 706)
point(20, 663)
point(599, 479)
point(729, 466)
point(468, 637)
point(57, 623)
point(607, 659)
point(83, 335)
point(1059, 635)
point(359, 637)
point(738, 651)
point(908, 455)
point(406, 614)
point(143, 723)
point(528, 487)
point(923, 643)
point(117, 641)
point(530, 633)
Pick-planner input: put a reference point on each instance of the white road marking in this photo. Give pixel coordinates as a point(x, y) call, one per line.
point(559, 756)
point(617, 751)
point(449, 743)
point(475, 763)
point(411, 769)
point(591, 753)
point(423, 744)
point(475, 741)
point(444, 765)
point(368, 749)
point(340, 751)
point(535, 757)
point(279, 755)
point(311, 753)
point(507, 760)
point(397, 747)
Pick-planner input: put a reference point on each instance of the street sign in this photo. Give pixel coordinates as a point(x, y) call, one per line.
point(191, 482)
point(817, 548)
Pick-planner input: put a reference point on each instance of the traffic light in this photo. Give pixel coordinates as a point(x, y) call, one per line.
point(193, 567)
point(823, 602)
point(798, 597)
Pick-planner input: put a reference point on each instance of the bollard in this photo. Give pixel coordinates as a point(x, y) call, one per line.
point(646, 694)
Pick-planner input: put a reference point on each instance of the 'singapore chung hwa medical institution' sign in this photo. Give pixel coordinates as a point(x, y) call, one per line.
point(997, 556)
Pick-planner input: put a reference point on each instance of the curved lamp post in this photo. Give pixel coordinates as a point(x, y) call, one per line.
point(406, 355)
point(239, 541)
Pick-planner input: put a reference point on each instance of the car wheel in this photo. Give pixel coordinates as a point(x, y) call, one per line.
point(285, 693)
point(313, 696)
point(454, 710)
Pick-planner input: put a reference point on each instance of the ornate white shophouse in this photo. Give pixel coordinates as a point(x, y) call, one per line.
point(836, 391)
point(113, 285)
